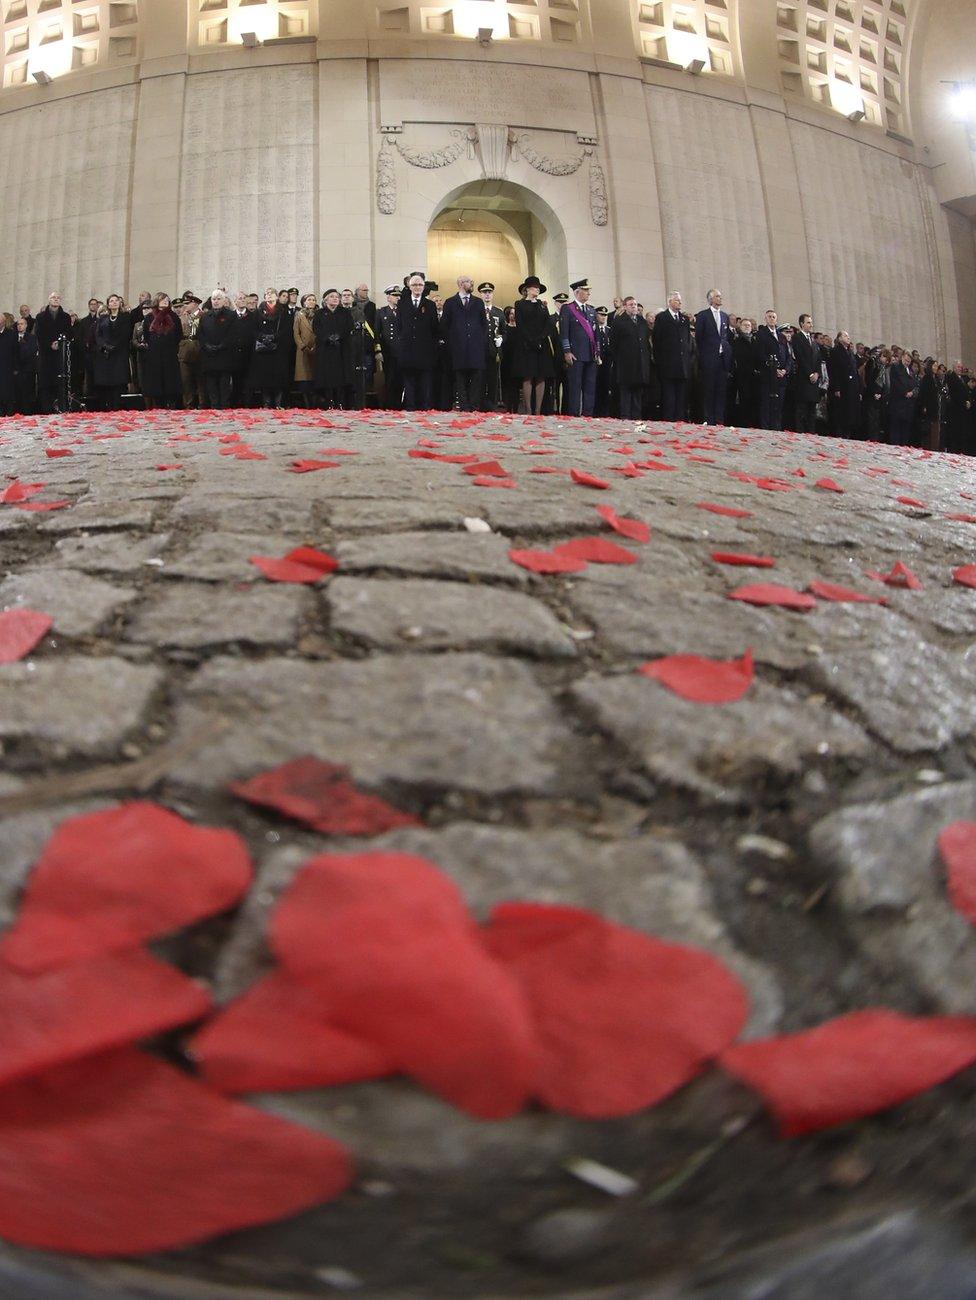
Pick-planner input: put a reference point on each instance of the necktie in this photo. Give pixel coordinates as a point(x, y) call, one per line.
point(416, 302)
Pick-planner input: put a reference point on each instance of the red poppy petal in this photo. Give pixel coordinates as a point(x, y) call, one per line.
point(706, 681)
point(275, 1038)
point(286, 570)
point(486, 469)
point(733, 512)
point(770, 593)
point(309, 466)
point(624, 1019)
point(963, 519)
point(319, 794)
point(633, 529)
point(17, 491)
point(831, 591)
point(40, 507)
point(110, 880)
point(595, 550)
point(312, 559)
point(911, 501)
point(385, 941)
point(850, 1067)
point(750, 561)
point(587, 480)
point(965, 575)
point(902, 576)
point(120, 1154)
point(20, 631)
point(828, 485)
point(88, 1007)
point(55, 452)
point(546, 562)
point(957, 844)
point(486, 481)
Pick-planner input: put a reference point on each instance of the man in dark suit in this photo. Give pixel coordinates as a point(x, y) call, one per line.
point(51, 326)
point(902, 397)
point(418, 339)
point(464, 328)
point(387, 332)
point(806, 354)
point(495, 325)
point(845, 388)
point(714, 342)
point(672, 355)
point(630, 341)
point(957, 422)
point(581, 351)
point(775, 364)
point(246, 330)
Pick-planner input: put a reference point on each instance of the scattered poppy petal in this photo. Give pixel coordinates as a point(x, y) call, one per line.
point(828, 485)
point(587, 480)
point(276, 570)
point(546, 562)
point(852, 1066)
point(706, 681)
point(108, 881)
point(309, 466)
point(963, 519)
point(624, 1019)
point(41, 507)
point(321, 795)
point(595, 550)
point(165, 467)
point(770, 593)
point(20, 631)
point(486, 469)
point(965, 575)
point(17, 491)
point(54, 452)
point(733, 512)
point(633, 529)
point(385, 941)
point(741, 558)
point(831, 591)
point(312, 559)
point(90, 1006)
point(901, 576)
point(911, 501)
point(120, 1154)
point(274, 1038)
point(957, 845)
point(486, 481)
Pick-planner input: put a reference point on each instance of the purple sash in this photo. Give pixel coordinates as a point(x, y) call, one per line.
point(581, 317)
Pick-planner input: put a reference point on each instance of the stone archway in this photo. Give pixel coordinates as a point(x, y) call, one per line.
point(499, 231)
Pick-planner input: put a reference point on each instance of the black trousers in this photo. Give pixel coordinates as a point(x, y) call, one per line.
point(219, 387)
point(674, 399)
point(579, 388)
point(392, 383)
point(467, 389)
point(416, 389)
point(806, 417)
point(631, 400)
point(771, 405)
point(714, 382)
point(491, 389)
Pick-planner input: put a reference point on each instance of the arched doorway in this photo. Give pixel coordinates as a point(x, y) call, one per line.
point(497, 231)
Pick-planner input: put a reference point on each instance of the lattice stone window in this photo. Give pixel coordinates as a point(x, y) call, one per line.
point(56, 37)
point(687, 32)
point(544, 20)
point(849, 55)
point(225, 22)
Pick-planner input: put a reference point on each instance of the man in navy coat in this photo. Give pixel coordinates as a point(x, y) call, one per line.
point(672, 354)
point(464, 328)
point(902, 397)
point(774, 361)
point(418, 338)
point(714, 356)
point(581, 351)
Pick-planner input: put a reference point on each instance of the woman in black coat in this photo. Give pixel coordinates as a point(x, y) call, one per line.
point(270, 374)
point(8, 363)
point(112, 336)
point(532, 362)
point(25, 380)
point(332, 326)
point(162, 332)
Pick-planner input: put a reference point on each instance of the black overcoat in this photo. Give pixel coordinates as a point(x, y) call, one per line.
point(112, 339)
point(630, 342)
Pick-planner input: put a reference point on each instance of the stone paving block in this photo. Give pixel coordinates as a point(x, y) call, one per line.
point(225, 557)
point(111, 552)
point(464, 721)
point(386, 515)
point(78, 603)
point(421, 614)
point(557, 516)
point(92, 516)
point(432, 555)
point(83, 706)
point(192, 615)
point(233, 513)
point(911, 693)
point(890, 879)
point(769, 738)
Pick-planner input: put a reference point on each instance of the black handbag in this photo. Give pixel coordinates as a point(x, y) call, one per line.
point(265, 343)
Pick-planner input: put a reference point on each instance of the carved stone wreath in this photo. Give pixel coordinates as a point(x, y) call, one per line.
point(543, 163)
point(433, 158)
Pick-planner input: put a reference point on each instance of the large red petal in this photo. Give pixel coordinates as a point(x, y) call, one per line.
point(276, 570)
point(633, 529)
point(957, 844)
point(595, 550)
point(831, 591)
point(850, 1067)
point(770, 593)
point(624, 1019)
point(120, 1154)
point(587, 480)
point(965, 575)
point(705, 681)
point(108, 881)
point(546, 562)
point(20, 631)
point(89, 1006)
point(319, 794)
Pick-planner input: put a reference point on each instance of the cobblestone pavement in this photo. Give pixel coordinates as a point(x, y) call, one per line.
point(791, 833)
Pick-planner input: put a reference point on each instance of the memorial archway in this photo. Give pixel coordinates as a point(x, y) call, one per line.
point(498, 231)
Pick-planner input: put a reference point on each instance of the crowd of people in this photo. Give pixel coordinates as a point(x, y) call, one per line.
point(421, 350)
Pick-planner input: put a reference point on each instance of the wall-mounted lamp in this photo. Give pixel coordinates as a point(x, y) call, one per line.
point(695, 66)
point(250, 40)
point(856, 116)
point(485, 36)
point(42, 78)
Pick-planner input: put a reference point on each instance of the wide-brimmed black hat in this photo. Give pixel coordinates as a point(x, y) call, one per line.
point(532, 282)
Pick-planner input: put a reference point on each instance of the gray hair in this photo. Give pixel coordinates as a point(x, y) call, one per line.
point(708, 296)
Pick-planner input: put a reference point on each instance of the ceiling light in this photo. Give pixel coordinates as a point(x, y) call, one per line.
point(695, 66)
point(42, 78)
point(856, 116)
point(963, 101)
point(250, 40)
point(485, 35)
